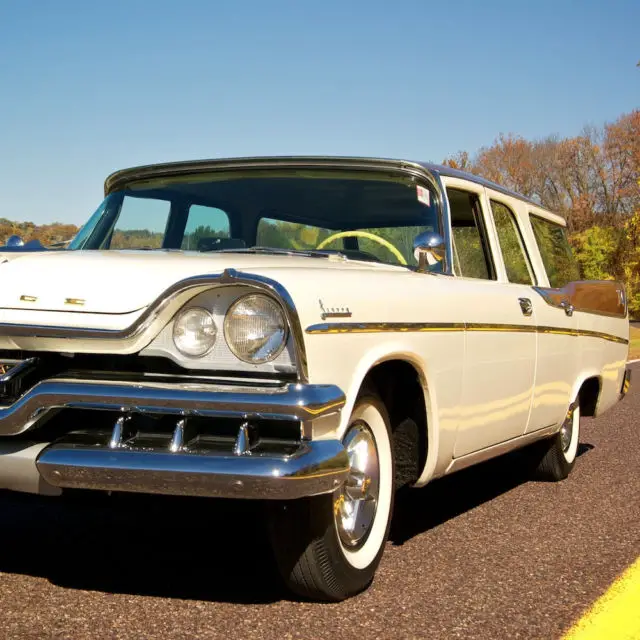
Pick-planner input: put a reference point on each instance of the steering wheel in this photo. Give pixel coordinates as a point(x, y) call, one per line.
point(364, 234)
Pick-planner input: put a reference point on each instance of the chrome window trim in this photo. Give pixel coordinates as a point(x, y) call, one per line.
point(160, 304)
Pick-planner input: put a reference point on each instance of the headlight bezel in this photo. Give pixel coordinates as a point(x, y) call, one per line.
point(176, 323)
point(284, 340)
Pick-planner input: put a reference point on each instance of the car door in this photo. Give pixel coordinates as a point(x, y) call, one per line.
point(500, 338)
point(558, 347)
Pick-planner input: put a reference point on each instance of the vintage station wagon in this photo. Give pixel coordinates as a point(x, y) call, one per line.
point(312, 332)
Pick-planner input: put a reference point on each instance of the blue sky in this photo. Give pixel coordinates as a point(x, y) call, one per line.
point(88, 87)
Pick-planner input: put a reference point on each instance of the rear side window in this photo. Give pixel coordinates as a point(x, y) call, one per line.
point(557, 257)
point(514, 254)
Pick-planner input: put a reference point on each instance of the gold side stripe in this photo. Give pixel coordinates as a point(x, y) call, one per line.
point(422, 327)
point(383, 327)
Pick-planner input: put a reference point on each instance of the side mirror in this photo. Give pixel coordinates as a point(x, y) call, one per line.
point(429, 250)
point(15, 241)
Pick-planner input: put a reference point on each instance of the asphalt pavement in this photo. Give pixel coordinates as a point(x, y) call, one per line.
point(485, 553)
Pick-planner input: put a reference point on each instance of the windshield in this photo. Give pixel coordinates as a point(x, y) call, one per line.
point(364, 216)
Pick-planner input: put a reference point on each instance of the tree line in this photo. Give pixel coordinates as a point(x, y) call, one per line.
point(47, 234)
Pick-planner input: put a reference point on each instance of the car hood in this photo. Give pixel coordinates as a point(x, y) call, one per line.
point(121, 282)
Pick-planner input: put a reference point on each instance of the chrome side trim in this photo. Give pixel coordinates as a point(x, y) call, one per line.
point(317, 467)
point(297, 402)
point(159, 305)
point(498, 449)
point(422, 327)
point(383, 327)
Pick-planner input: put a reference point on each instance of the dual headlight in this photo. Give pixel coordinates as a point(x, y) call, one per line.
point(255, 330)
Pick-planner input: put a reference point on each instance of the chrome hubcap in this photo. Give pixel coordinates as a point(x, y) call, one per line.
point(355, 506)
point(567, 431)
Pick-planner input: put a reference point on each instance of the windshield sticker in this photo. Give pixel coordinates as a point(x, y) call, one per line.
point(423, 195)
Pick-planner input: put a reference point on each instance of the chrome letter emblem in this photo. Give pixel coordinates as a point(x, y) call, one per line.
point(334, 312)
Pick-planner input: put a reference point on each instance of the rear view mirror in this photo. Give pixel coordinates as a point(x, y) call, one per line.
point(15, 241)
point(429, 250)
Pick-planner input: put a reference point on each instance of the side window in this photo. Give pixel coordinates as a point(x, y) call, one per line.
point(471, 252)
point(557, 257)
point(293, 235)
point(141, 224)
point(514, 253)
point(205, 226)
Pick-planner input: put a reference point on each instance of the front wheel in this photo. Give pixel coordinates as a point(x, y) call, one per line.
point(328, 547)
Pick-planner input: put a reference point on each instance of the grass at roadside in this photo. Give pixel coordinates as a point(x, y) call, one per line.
point(634, 347)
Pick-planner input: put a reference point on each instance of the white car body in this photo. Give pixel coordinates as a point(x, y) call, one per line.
point(491, 377)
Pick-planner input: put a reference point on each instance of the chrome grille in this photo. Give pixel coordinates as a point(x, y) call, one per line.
point(133, 431)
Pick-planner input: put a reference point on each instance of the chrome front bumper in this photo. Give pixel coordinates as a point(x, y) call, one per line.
point(175, 464)
point(317, 467)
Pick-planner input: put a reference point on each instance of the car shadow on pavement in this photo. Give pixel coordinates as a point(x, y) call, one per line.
point(184, 548)
point(418, 510)
point(201, 549)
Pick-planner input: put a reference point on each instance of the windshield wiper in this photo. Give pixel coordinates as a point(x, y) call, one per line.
point(309, 253)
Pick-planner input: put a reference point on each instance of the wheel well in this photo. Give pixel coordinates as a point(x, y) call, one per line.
point(588, 396)
point(397, 382)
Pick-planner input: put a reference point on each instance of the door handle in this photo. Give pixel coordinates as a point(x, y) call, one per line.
point(526, 306)
point(568, 307)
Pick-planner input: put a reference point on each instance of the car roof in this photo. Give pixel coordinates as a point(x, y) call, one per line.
point(117, 178)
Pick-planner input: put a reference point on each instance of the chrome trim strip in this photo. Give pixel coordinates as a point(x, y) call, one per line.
point(158, 306)
point(317, 467)
point(383, 327)
point(297, 402)
point(423, 327)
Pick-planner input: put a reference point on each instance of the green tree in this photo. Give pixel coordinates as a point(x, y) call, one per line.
point(595, 249)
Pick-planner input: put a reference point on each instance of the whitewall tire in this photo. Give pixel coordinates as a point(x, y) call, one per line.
point(559, 453)
point(329, 547)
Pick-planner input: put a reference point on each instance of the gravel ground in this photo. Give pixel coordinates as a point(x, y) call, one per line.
point(481, 554)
